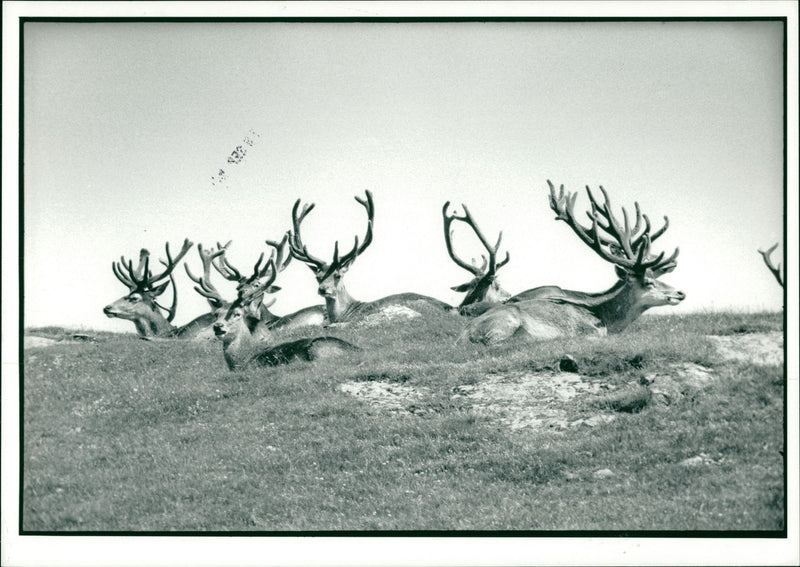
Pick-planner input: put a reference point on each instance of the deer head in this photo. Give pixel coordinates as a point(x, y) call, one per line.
point(625, 246)
point(245, 285)
point(776, 270)
point(239, 324)
point(484, 285)
point(329, 274)
point(140, 305)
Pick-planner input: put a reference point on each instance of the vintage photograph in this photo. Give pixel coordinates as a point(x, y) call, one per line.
point(388, 274)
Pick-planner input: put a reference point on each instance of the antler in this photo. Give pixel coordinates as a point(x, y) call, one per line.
point(491, 262)
point(296, 246)
point(776, 270)
point(300, 251)
point(279, 253)
point(348, 258)
point(142, 279)
point(204, 286)
point(252, 289)
point(229, 272)
point(620, 244)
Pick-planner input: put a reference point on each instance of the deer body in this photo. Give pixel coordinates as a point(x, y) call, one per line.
point(341, 307)
point(312, 316)
point(559, 312)
point(549, 311)
point(247, 342)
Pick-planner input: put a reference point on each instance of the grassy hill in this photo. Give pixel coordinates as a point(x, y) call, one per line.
point(660, 428)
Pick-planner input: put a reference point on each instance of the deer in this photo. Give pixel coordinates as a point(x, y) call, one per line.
point(483, 290)
point(140, 305)
point(247, 342)
point(309, 316)
point(340, 305)
point(550, 311)
point(776, 270)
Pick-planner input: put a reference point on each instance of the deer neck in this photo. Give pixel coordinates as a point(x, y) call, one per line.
point(619, 306)
point(239, 347)
point(267, 316)
point(340, 304)
point(488, 292)
point(153, 324)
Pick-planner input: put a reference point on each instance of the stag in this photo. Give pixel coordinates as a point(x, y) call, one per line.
point(550, 311)
point(341, 306)
point(483, 290)
point(140, 305)
point(309, 316)
point(247, 342)
point(776, 270)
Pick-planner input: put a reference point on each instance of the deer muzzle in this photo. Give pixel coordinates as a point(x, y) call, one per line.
point(675, 297)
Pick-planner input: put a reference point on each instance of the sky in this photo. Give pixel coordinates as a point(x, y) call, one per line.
point(129, 127)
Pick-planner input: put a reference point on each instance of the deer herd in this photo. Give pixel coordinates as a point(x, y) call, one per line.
point(250, 332)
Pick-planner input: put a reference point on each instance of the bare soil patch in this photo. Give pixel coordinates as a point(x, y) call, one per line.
point(386, 396)
point(758, 348)
point(543, 400)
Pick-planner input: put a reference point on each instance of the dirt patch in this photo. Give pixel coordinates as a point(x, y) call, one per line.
point(387, 396)
point(534, 400)
point(758, 348)
point(33, 341)
point(677, 380)
point(41, 342)
point(546, 400)
point(389, 314)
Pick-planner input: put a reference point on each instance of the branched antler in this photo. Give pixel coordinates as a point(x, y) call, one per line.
point(491, 262)
point(300, 250)
point(282, 259)
point(142, 279)
point(296, 246)
point(204, 286)
point(618, 242)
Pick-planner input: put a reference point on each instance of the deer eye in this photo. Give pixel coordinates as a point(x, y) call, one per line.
point(649, 284)
point(134, 299)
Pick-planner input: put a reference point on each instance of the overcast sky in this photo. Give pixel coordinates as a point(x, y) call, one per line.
point(127, 126)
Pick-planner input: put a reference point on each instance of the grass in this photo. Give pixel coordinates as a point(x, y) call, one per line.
point(131, 435)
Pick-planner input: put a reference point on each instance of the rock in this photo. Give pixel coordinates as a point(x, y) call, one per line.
point(568, 364)
point(84, 337)
point(599, 419)
point(701, 459)
point(603, 473)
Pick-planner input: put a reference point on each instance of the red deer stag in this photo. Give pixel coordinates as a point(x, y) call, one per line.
point(776, 270)
point(247, 342)
point(309, 316)
point(483, 291)
point(551, 312)
point(341, 306)
point(140, 305)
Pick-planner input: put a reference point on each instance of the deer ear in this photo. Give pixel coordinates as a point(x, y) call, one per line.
point(273, 289)
point(215, 303)
point(156, 291)
point(463, 287)
point(622, 273)
point(664, 270)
